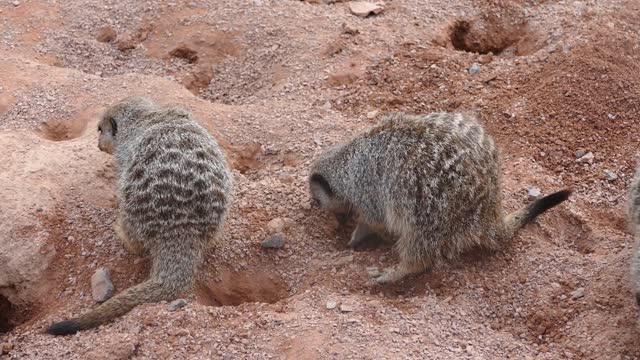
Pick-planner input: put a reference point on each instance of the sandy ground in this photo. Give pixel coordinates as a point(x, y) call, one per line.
point(277, 81)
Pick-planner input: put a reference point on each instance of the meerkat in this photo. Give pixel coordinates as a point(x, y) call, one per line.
point(431, 181)
point(633, 210)
point(174, 191)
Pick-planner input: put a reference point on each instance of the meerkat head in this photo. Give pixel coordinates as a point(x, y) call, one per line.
point(324, 197)
point(116, 116)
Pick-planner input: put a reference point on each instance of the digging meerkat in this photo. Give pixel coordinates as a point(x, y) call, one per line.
point(432, 181)
point(174, 191)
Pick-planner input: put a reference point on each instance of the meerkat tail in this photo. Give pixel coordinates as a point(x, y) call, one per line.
point(146, 292)
point(168, 279)
point(519, 218)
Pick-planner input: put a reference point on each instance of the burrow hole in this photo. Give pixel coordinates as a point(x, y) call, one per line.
point(492, 37)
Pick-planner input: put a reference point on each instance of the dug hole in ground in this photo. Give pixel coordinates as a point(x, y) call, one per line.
point(557, 83)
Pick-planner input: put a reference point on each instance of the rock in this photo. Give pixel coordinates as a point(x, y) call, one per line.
point(178, 332)
point(580, 153)
point(16, 3)
point(474, 69)
point(577, 293)
point(586, 158)
point(275, 241)
point(177, 304)
point(555, 285)
point(485, 58)
point(346, 308)
point(533, 193)
point(101, 286)
point(106, 34)
point(184, 52)
point(372, 114)
point(343, 260)
point(365, 8)
point(349, 30)
point(276, 226)
point(610, 176)
point(331, 304)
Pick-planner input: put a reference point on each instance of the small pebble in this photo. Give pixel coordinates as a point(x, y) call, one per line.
point(610, 176)
point(533, 193)
point(485, 58)
point(16, 3)
point(177, 304)
point(178, 332)
point(580, 153)
point(365, 8)
point(346, 308)
point(331, 304)
point(348, 29)
point(577, 294)
point(275, 241)
point(474, 69)
point(586, 158)
point(372, 114)
point(275, 226)
point(101, 286)
point(343, 260)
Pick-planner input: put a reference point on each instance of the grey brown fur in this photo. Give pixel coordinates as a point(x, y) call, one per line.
point(431, 181)
point(633, 210)
point(174, 192)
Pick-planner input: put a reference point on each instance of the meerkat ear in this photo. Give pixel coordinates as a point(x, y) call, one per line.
point(114, 126)
point(320, 189)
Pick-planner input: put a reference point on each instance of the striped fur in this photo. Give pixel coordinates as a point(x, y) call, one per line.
point(432, 181)
point(174, 192)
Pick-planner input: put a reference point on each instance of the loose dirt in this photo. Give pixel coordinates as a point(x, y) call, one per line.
point(276, 82)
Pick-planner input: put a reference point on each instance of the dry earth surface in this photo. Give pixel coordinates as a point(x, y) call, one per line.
point(277, 81)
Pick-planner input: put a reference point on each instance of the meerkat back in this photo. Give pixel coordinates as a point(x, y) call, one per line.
point(432, 181)
point(174, 191)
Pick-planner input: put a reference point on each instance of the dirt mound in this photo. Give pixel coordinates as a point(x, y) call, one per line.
point(277, 82)
point(557, 104)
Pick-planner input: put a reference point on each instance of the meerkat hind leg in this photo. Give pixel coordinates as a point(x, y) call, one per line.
point(408, 265)
point(134, 247)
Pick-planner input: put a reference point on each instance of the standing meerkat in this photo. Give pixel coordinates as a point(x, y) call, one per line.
point(433, 182)
point(633, 210)
point(174, 191)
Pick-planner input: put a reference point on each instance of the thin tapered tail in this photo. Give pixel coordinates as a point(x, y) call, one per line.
point(148, 291)
point(520, 218)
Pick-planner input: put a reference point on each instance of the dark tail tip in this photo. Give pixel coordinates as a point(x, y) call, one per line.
point(67, 327)
point(546, 203)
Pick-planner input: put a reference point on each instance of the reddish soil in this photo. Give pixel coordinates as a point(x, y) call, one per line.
point(276, 82)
